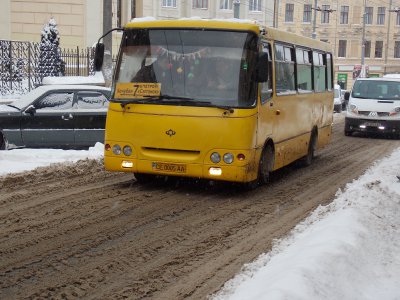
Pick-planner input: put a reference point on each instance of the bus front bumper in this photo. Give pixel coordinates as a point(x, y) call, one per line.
point(212, 172)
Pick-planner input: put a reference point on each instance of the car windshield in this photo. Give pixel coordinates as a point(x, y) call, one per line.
point(376, 89)
point(207, 67)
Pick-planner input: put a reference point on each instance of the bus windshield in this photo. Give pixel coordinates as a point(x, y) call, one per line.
point(376, 89)
point(188, 67)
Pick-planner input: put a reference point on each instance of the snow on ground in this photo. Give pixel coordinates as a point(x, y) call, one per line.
point(349, 249)
point(19, 160)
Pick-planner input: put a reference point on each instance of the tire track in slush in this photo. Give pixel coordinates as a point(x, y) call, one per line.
point(99, 235)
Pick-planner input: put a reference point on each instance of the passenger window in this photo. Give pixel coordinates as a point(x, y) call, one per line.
point(91, 100)
point(304, 74)
point(55, 101)
point(319, 72)
point(329, 70)
point(266, 87)
point(284, 70)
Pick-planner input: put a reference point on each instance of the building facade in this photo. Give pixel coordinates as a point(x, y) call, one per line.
point(341, 24)
point(80, 22)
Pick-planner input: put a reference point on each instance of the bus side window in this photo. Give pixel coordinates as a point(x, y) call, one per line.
point(266, 87)
point(284, 70)
point(329, 76)
point(319, 72)
point(304, 74)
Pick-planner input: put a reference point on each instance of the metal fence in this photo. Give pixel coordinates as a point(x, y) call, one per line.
point(19, 63)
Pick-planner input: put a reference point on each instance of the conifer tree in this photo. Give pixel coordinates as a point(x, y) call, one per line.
point(50, 63)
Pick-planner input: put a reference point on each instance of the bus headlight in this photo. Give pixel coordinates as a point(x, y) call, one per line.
point(215, 157)
point(127, 150)
point(228, 158)
point(116, 149)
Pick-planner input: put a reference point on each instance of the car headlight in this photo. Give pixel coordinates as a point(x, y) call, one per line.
point(215, 157)
point(228, 158)
point(353, 108)
point(116, 149)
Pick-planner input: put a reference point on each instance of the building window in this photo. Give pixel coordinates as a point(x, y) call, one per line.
point(381, 16)
point(255, 5)
point(133, 9)
point(169, 3)
point(307, 13)
point(398, 19)
point(200, 3)
point(368, 15)
point(289, 12)
point(225, 4)
point(325, 14)
point(342, 48)
point(344, 15)
point(367, 48)
point(378, 49)
point(397, 49)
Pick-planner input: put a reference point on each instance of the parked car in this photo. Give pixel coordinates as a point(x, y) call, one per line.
point(338, 101)
point(374, 106)
point(55, 116)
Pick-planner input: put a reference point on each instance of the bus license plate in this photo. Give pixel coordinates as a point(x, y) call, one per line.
point(372, 124)
point(173, 168)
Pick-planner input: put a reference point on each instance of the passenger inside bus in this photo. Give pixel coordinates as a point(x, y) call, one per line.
point(153, 72)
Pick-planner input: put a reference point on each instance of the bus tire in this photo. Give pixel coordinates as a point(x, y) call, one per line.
point(143, 178)
point(266, 165)
point(312, 146)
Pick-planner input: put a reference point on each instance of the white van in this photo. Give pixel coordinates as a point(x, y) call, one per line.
point(373, 106)
point(338, 100)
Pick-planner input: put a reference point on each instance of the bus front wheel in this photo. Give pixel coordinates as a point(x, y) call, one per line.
point(266, 165)
point(143, 178)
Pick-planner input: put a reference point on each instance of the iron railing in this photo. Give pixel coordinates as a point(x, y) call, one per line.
point(19, 63)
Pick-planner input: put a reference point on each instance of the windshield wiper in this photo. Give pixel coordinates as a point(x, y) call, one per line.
point(13, 106)
point(172, 100)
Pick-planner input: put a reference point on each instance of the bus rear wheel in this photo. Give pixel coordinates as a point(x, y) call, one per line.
point(312, 146)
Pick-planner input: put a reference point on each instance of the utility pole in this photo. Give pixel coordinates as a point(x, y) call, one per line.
point(107, 24)
point(276, 13)
point(236, 9)
point(314, 33)
point(363, 71)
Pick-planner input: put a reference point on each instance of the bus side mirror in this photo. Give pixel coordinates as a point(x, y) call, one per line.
point(347, 96)
point(262, 67)
point(98, 57)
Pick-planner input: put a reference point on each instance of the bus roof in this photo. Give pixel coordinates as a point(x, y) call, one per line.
point(231, 24)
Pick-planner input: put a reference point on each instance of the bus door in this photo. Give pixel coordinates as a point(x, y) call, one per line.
point(266, 108)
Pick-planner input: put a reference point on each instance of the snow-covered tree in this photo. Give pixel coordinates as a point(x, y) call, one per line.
point(50, 63)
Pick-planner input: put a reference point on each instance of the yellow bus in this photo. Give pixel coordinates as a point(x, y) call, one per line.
point(216, 99)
